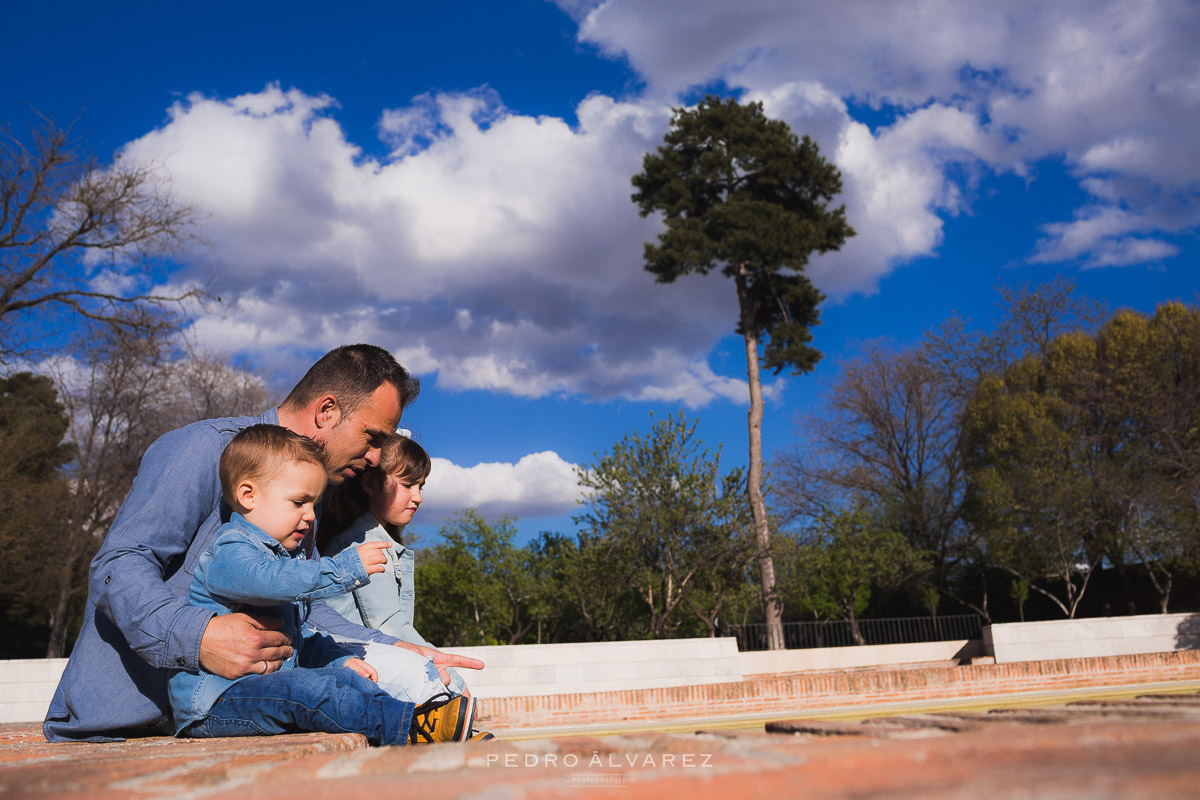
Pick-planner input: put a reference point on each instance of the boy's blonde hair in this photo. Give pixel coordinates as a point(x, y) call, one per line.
point(258, 452)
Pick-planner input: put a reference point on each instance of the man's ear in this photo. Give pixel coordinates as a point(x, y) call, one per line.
point(246, 495)
point(328, 412)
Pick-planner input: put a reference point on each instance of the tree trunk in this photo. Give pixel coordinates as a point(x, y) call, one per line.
point(69, 582)
point(57, 644)
point(772, 607)
point(855, 633)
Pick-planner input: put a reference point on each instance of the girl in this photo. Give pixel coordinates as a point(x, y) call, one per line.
point(375, 507)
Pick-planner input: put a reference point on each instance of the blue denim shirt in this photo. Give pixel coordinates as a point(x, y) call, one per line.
point(246, 570)
point(137, 623)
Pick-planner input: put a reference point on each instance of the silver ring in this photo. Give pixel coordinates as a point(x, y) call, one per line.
point(264, 669)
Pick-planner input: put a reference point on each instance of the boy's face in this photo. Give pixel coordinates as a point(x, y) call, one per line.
point(282, 505)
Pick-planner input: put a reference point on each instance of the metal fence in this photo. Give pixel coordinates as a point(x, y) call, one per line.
point(838, 633)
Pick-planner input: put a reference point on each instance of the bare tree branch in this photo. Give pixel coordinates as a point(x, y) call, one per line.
point(63, 217)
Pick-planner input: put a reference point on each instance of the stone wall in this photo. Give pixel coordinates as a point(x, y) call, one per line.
point(1096, 636)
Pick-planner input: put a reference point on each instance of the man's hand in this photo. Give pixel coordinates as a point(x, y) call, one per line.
point(240, 644)
point(363, 668)
point(372, 556)
point(442, 660)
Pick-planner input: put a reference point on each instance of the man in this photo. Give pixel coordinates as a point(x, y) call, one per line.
point(137, 621)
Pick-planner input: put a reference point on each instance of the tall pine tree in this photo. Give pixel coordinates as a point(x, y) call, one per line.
point(738, 191)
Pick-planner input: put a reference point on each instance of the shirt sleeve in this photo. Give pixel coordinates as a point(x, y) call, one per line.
point(242, 572)
point(326, 619)
point(377, 602)
point(171, 496)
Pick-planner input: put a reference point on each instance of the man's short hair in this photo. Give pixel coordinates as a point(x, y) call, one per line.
point(259, 452)
point(352, 373)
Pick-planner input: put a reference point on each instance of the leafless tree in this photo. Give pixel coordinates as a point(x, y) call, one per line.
point(889, 434)
point(129, 389)
point(62, 217)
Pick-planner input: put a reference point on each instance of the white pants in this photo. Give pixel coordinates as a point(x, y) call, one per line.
point(403, 674)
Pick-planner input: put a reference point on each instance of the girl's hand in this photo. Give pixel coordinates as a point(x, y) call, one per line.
point(363, 668)
point(372, 556)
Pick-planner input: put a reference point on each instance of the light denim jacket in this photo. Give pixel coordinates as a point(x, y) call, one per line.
point(137, 623)
point(388, 600)
point(246, 570)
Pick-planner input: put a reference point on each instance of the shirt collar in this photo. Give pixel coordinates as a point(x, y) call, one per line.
point(237, 519)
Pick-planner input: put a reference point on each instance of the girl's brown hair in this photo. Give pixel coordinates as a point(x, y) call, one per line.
point(344, 503)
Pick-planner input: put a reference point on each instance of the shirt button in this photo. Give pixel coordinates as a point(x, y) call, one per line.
point(107, 578)
point(180, 661)
point(356, 583)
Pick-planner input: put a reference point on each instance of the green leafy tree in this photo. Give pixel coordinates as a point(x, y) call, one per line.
point(33, 494)
point(1029, 487)
point(1147, 412)
point(475, 586)
point(843, 557)
point(600, 578)
point(1085, 451)
point(552, 608)
point(661, 510)
point(739, 192)
point(1018, 590)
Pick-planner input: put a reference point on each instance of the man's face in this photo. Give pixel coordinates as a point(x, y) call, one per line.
point(353, 442)
point(283, 502)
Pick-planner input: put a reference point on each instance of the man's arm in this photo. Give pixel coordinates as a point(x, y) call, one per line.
point(175, 492)
point(172, 495)
point(326, 619)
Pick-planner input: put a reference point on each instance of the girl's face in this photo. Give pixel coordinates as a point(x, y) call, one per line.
point(396, 500)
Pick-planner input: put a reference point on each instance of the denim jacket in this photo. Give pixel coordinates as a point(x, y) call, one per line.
point(137, 623)
point(387, 602)
point(246, 570)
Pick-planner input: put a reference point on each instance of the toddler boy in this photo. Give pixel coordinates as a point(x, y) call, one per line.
point(272, 478)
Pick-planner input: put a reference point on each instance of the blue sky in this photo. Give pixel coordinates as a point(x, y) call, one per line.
point(451, 181)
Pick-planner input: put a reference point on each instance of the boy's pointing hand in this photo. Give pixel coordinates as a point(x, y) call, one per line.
point(372, 556)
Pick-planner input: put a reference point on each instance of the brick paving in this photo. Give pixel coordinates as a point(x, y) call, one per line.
point(939, 741)
point(1122, 748)
point(814, 690)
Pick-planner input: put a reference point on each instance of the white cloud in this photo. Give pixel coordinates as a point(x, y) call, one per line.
point(538, 485)
point(1112, 87)
point(501, 251)
point(505, 255)
point(498, 250)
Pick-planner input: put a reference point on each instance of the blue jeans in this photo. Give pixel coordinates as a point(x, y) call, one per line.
point(326, 700)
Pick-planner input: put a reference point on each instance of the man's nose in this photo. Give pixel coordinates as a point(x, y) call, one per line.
point(372, 457)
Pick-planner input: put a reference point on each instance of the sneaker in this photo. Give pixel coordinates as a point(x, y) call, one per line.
point(449, 722)
point(482, 736)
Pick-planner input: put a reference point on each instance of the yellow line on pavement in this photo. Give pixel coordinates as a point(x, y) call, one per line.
point(857, 712)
